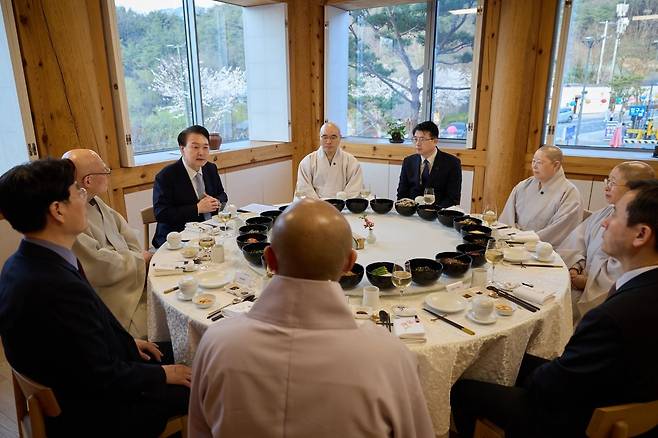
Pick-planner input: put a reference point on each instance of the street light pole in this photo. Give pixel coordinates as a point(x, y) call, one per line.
point(589, 41)
point(182, 70)
point(603, 38)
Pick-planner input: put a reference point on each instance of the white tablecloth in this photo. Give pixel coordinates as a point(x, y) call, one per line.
point(493, 354)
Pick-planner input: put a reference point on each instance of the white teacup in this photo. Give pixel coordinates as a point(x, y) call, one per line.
point(371, 297)
point(341, 195)
point(188, 286)
point(420, 200)
point(174, 239)
point(190, 251)
point(531, 246)
point(482, 307)
point(544, 250)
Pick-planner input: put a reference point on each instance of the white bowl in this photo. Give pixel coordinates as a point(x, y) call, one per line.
point(203, 301)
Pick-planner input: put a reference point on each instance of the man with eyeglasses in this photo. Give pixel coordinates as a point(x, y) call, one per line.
point(109, 249)
point(329, 170)
point(432, 168)
point(593, 271)
point(547, 202)
point(188, 190)
point(57, 331)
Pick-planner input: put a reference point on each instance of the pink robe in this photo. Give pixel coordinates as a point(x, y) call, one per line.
point(299, 366)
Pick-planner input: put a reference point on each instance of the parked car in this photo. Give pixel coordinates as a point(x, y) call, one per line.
point(565, 115)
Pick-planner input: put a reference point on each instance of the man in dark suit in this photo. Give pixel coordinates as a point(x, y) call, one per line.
point(610, 359)
point(430, 167)
point(188, 190)
point(57, 331)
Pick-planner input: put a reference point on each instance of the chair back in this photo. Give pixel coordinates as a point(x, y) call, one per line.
point(175, 425)
point(148, 217)
point(33, 401)
point(486, 429)
point(623, 421)
point(586, 214)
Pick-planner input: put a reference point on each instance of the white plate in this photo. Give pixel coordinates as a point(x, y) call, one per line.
point(445, 302)
point(492, 318)
point(182, 297)
point(213, 279)
point(546, 260)
point(166, 245)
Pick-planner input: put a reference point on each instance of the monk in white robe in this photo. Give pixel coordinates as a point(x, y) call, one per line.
point(592, 271)
point(109, 249)
point(298, 365)
point(330, 169)
point(547, 202)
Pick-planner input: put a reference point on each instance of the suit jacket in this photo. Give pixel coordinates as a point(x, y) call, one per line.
point(174, 198)
point(610, 359)
point(57, 331)
point(445, 178)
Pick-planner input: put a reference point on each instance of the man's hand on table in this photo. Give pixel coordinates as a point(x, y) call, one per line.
point(207, 204)
point(178, 374)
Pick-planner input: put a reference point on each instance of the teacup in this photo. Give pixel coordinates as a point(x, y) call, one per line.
point(482, 307)
point(531, 246)
point(188, 286)
point(544, 250)
point(174, 239)
point(420, 200)
point(190, 252)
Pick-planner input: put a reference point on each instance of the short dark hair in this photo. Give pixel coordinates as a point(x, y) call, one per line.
point(27, 190)
point(427, 126)
point(642, 209)
point(194, 129)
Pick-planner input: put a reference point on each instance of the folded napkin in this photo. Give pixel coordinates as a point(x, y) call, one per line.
point(409, 329)
point(524, 236)
point(175, 268)
point(533, 294)
point(237, 309)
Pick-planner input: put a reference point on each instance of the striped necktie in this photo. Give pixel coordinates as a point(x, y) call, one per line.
point(425, 176)
point(201, 191)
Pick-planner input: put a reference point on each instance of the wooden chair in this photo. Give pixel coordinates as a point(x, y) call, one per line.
point(486, 429)
point(586, 214)
point(148, 217)
point(623, 421)
point(33, 401)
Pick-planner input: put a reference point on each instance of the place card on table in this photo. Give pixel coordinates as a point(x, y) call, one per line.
point(409, 329)
point(456, 286)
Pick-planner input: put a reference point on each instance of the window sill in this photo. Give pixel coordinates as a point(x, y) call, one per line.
point(643, 155)
point(159, 157)
point(443, 142)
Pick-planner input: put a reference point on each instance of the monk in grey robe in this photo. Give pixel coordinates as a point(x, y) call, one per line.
point(592, 271)
point(108, 250)
point(547, 202)
point(298, 365)
point(329, 170)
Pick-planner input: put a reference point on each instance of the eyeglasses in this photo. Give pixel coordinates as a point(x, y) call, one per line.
point(106, 172)
point(329, 137)
point(608, 183)
point(420, 139)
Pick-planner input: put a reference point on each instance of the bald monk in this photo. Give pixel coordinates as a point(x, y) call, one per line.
point(328, 170)
point(298, 365)
point(547, 202)
point(109, 250)
point(593, 272)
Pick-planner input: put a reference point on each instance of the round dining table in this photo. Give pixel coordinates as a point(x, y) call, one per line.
point(492, 354)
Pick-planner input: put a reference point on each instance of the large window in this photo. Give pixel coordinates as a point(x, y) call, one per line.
point(189, 62)
point(605, 79)
point(405, 63)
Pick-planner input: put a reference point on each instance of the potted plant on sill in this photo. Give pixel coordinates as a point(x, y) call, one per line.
point(397, 130)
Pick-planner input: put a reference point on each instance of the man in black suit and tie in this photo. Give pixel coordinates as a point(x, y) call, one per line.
point(610, 359)
point(430, 168)
point(188, 190)
point(56, 330)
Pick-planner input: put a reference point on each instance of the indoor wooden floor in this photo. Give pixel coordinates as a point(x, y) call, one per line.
point(7, 411)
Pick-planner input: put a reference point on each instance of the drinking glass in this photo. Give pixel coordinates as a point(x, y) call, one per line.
point(206, 241)
point(494, 255)
point(401, 275)
point(490, 214)
point(428, 196)
point(365, 191)
point(225, 217)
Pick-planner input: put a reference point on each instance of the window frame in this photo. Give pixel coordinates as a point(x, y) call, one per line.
point(427, 103)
